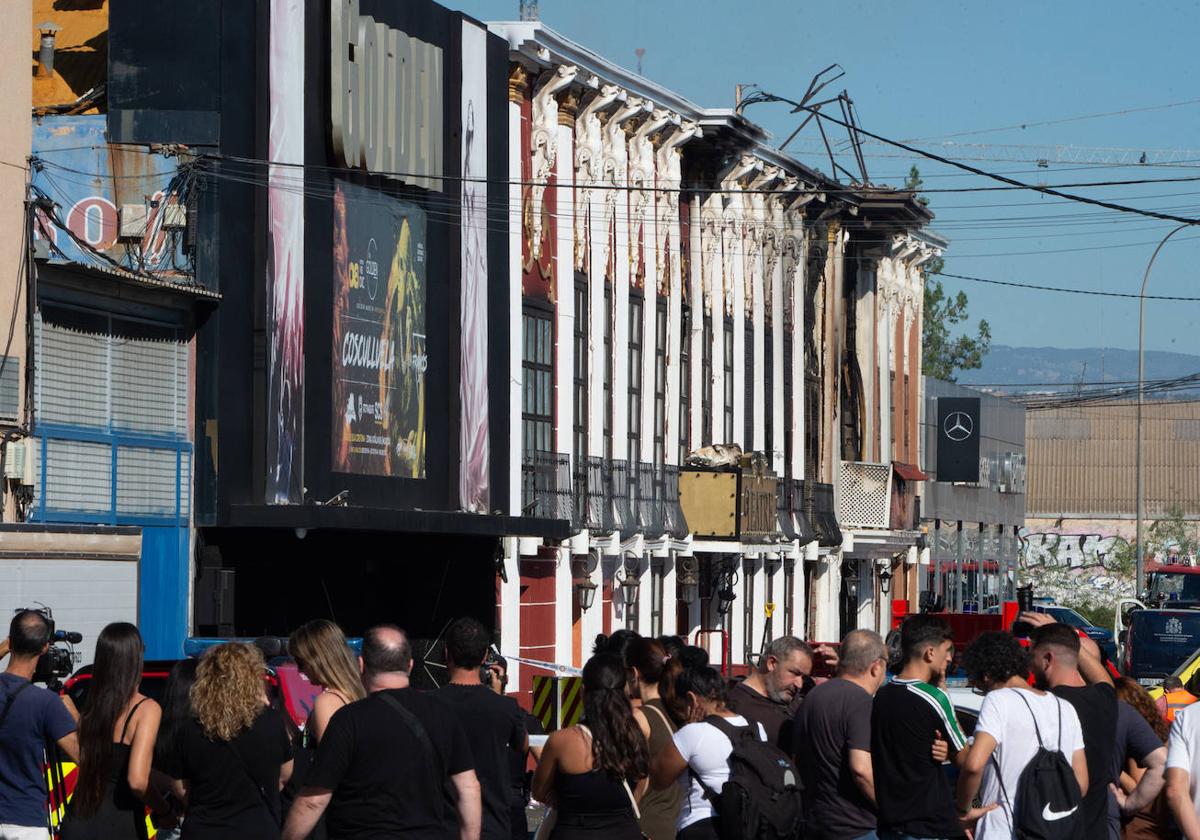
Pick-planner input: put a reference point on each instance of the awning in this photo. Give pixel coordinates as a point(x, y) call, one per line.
point(909, 472)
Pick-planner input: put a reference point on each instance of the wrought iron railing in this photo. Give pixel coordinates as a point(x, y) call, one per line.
point(674, 522)
point(787, 522)
point(546, 491)
point(647, 500)
point(804, 529)
point(822, 515)
point(596, 501)
point(624, 519)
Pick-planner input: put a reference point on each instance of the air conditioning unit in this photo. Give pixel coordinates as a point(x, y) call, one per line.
point(133, 219)
point(14, 460)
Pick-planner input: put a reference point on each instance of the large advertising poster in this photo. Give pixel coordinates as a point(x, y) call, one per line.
point(379, 355)
point(285, 257)
point(473, 491)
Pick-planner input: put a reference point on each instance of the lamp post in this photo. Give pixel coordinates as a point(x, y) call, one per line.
point(1141, 479)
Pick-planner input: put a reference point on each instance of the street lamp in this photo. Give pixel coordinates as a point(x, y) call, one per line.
point(689, 580)
point(629, 580)
point(1141, 480)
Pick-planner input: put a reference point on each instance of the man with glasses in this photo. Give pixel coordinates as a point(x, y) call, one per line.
point(833, 742)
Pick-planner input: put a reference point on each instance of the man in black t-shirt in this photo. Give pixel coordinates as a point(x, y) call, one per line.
point(833, 742)
point(1113, 732)
point(495, 725)
point(384, 762)
point(1062, 664)
point(908, 715)
point(770, 695)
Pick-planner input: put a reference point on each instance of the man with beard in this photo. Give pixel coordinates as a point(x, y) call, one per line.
point(769, 695)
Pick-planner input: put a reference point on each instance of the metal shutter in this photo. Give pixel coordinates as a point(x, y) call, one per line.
point(10, 388)
point(111, 393)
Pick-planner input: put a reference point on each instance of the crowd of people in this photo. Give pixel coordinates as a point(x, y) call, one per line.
point(667, 747)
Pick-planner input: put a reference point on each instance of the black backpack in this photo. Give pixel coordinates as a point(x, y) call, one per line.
point(1049, 805)
point(762, 799)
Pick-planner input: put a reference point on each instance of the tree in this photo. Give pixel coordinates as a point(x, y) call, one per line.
point(943, 352)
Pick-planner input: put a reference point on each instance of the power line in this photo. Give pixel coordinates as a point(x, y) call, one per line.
point(1121, 208)
point(1091, 292)
point(1059, 121)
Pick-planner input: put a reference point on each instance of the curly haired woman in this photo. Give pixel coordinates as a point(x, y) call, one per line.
point(231, 761)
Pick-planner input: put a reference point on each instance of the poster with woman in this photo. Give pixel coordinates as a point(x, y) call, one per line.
point(379, 350)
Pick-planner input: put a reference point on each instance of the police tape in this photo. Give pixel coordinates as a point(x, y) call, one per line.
point(565, 670)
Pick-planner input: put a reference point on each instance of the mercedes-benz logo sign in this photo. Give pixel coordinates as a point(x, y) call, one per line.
point(958, 426)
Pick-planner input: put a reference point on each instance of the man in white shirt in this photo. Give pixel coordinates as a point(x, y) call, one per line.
point(1183, 768)
point(1014, 722)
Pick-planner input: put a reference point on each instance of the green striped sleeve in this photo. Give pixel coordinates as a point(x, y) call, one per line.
point(940, 703)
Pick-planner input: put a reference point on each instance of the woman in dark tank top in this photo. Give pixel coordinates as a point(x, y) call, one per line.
point(117, 733)
point(649, 666)
point(591, 773)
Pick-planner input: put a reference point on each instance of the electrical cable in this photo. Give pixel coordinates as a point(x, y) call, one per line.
point(1058, 121)
point(1091, 292)
point(1056, 191)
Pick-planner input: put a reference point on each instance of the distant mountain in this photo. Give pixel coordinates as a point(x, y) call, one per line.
point(1057, 369)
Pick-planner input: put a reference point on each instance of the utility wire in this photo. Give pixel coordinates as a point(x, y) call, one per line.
point(1091, 292)
point(1121, 208)
point(1059, 121)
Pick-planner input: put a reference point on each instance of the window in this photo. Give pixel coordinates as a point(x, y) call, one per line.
point(748, 442)
point(892, 414)
point(812, 426)
point(769, 392)
point(706, 382)
point(608, 373)
point(657, 575)
point(660, 383)
point(685, 382)
point(635, 381)
point(537, 405)
point(580, 421)
point(748, 610)
point(728, 364)
point(907, 436)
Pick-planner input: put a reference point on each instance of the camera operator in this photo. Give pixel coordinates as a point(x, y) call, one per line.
point(30, 718)
point(521, 779)
point(495, 725)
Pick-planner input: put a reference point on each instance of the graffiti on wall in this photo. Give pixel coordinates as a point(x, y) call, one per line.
point(1077, 565)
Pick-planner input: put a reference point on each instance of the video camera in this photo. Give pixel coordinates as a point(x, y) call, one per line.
point(59, 659)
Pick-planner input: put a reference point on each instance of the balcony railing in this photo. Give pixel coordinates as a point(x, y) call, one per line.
point(546, 491)
point(864, 494)
point(674, 522)
point(804, 529)
point(787, 522)
point(647, 500)
point(819, 506)
point(623, 516)
point(593, 495)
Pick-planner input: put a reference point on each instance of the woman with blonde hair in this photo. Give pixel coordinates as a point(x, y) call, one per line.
point(321, 653)
point(232, 760)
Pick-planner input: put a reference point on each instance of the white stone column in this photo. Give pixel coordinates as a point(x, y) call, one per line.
point(514, 296)
point(564, 273)
point(696, 304)
point(564, 604)
point(510, 609)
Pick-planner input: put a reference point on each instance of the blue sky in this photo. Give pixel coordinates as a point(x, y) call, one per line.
point(928, 69)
